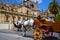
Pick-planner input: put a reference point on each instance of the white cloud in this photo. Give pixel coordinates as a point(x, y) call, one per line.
point(39, 1)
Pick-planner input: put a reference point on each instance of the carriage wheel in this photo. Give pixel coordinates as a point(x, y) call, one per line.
point(37, 35)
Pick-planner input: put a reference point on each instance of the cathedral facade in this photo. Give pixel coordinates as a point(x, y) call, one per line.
point(13, 12)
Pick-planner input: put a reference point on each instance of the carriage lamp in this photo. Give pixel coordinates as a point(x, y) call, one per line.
point(39, 17)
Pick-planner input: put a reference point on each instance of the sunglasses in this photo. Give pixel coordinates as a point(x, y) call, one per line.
point(46, 32)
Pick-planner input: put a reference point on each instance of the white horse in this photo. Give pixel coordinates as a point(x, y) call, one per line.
point(29, 22)
point(23, 23)
point(26, 23)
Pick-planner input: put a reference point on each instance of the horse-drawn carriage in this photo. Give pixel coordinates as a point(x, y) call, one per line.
point(44, 26)
point(39, 26)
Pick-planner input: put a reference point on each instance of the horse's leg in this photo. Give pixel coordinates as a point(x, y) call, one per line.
point(13, 28)
point(21, 28)
point(29, 28)
point(25, 28)
point(18, 29)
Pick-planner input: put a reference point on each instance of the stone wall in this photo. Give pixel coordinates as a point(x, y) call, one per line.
point(5, 26)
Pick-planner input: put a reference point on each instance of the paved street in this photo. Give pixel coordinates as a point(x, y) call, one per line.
point(12, 35)
point(6, 34)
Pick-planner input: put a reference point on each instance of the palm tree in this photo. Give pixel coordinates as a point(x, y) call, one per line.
point(53, 7)
point(59, 7)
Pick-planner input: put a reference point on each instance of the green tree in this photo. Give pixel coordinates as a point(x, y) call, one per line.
point(57, 18)
point(59, 8)
point(53, 7)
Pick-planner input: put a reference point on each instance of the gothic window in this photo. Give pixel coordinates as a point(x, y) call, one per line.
point(7, 18)
point(2, 7)
point(12, 9)
point(13, 18)
point(31, 6)
point(18, 18)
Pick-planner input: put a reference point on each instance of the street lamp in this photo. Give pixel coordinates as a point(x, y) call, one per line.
point(26, 5)
point(27, 13)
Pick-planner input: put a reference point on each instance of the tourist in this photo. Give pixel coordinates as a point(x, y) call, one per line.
point(47, 34)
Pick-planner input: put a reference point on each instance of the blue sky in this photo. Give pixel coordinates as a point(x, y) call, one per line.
point(42, 5)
